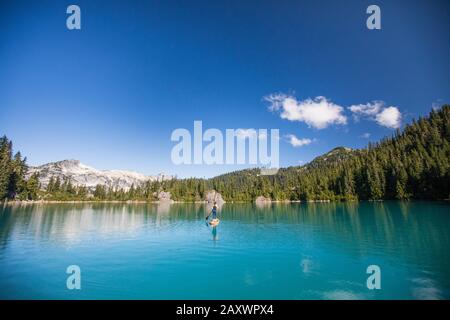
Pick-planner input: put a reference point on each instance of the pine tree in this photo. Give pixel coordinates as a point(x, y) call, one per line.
point(51, 185)
point(57, 185)
point(33, 187)
point(17, 183)
point(5, 167)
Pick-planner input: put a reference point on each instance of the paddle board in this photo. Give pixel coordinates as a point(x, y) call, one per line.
point(214, 222)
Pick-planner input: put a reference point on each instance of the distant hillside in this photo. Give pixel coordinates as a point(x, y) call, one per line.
point(413, 164)
point(332, 158)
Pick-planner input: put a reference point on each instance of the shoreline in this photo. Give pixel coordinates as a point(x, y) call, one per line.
point(262, 204)
point(12, 202)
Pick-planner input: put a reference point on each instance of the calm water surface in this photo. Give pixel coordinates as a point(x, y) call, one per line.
point(280, 251)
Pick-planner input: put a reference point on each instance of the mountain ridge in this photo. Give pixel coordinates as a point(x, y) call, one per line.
point(80, 174)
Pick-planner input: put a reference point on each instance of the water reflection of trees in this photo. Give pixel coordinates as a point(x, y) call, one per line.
point(416, 231)
point(70, 220)
point(410, 229)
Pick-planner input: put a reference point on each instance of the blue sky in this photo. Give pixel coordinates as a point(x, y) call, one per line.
point(111, 93)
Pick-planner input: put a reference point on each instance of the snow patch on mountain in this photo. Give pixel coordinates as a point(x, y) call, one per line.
point(83, 175)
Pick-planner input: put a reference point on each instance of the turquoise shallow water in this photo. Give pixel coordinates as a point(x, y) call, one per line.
point(280, 251)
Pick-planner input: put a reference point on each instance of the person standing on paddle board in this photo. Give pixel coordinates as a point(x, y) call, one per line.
point(214, 211)
point(213, 215)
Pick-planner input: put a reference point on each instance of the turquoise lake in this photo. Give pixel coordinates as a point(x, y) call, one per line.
point(277, 251)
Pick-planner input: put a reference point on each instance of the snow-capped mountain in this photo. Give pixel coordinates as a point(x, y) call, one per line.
point(80, 174)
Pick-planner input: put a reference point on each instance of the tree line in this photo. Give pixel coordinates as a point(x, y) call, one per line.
point(411, 164)
point(13, 169)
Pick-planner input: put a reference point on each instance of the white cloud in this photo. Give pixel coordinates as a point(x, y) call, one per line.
point(245, 133)
point(262, 136)
point(368, 109)
point(365, 135)
point(296, 142)
point(276, 100)
point(250, 133)
point(318, 112)
point(390, 117)
point(321, 112)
